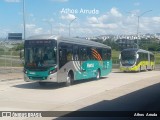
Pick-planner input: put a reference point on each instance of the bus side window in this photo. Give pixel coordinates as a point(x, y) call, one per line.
point(69, 48)
point(89, 53)
point(69, 56)
point(99, 50)
point(75, 53)
point(140, 56)
point(105, 54)
point(109, 54)
point(62, 57)
point(83, 54)
point(65, 53)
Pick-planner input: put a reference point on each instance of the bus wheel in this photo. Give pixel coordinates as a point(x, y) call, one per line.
point(42, 83)
point(98, 74)
point(69, 80)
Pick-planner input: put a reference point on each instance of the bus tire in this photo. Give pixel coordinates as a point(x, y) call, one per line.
point(42, 83)
point(98, 74)
point(69, 79)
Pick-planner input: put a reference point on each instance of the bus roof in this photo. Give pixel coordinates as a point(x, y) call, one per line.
point(68, 40)
point(137, 50)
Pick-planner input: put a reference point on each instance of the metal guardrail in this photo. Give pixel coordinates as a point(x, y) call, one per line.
point(6, 42)
point(10, 62)
point(157, 67)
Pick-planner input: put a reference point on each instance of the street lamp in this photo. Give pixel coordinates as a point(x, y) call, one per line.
point(24, 20)
point(70, 25)
point(138, 24)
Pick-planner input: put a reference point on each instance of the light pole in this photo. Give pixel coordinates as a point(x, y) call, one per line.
point(24, 20)
point(70, 25)
point(138, 18)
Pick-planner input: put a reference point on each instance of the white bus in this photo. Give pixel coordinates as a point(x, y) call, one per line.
point(49, 58)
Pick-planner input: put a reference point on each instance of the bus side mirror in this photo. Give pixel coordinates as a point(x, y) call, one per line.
point(137, 56)
point(119, 56)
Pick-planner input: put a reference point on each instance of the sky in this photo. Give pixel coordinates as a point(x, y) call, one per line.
point(86, 18)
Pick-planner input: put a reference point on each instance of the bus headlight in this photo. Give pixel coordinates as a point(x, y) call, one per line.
point(53, 71)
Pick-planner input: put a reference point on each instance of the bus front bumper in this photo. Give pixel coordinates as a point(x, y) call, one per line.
point(128, 69)
point(50, 78)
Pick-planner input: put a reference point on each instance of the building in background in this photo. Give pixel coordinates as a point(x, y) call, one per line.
point(15, 36)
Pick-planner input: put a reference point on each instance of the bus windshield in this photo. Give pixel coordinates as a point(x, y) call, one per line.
point(40, 55)
point(128, 58)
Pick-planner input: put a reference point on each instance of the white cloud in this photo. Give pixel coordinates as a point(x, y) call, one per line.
point(12, 1)
point(68, 17)
point(110, 17)
point(110, 20)
point(105, 24)
point(93, 20)
point(115, 12)
point(32, 29)
point(51, 20)
point(109, 26)
point(114, 22)
point(30, 26)
point(156, 19)
point(133, 13)
point(38, 30)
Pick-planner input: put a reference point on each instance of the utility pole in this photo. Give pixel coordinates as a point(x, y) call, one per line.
point(138, 18)
point(24, 20)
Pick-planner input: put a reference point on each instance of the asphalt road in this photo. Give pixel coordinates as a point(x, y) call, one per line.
point(117, 92)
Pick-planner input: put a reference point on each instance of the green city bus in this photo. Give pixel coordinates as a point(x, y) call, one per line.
point(133, 59)
point(49, 58)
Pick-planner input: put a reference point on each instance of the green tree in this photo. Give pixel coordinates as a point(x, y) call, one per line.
point(17, 47)
point(112, 44)
point(150, 44)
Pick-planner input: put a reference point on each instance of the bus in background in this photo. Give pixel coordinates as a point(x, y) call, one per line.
point(58, 59)
point(132, 59)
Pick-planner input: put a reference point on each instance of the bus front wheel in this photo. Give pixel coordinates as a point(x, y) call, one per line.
point(69, 79)
point(98, 74)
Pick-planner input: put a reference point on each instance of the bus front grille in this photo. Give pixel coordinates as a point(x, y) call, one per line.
point(37, 78)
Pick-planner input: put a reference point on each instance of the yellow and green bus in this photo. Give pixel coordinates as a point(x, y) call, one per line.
point(49, 58)
point(133, 59)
